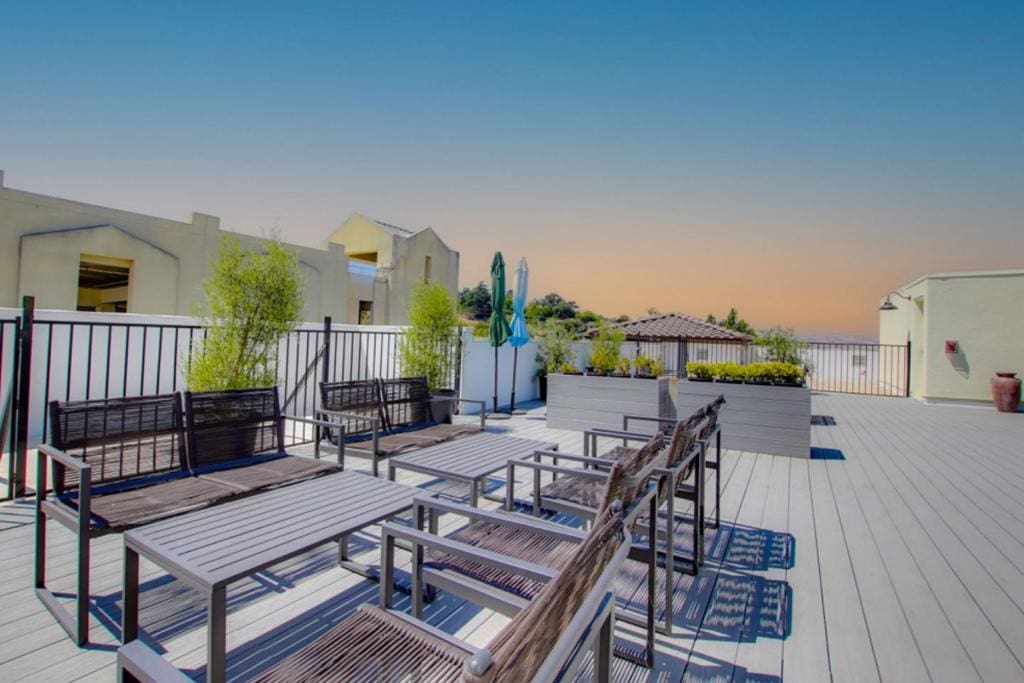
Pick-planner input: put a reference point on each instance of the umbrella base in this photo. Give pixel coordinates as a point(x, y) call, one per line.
point(499, 416)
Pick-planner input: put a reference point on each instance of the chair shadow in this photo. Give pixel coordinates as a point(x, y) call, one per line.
point(730, 600)
point(705, 668)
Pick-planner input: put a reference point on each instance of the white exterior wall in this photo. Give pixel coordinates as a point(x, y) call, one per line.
point(982, 311)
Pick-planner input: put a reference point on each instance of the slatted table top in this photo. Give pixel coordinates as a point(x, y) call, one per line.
point(470, 457)
point(213, 547)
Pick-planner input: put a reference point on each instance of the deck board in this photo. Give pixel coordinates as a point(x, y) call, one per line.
point(906, 563)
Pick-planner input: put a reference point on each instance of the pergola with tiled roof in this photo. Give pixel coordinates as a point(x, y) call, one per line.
point(677, 326)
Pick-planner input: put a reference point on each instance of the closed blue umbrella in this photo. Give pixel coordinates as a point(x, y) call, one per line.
point(520, 335)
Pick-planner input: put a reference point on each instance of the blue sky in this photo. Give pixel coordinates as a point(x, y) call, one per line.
point(802, 158)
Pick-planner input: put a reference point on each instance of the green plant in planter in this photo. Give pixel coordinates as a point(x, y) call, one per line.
point(781, 345)
point(252, 300)
point(643, 365)
point(554, 346)
point(623, 367)
point(605, 350)
point(788, 372)
point(730, 371)
point(699, 370)
point(568, 369)
point(657, 368)
point(426, 349)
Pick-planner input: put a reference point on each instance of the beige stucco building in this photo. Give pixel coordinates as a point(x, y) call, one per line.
point(980, 314)
point(75, 256)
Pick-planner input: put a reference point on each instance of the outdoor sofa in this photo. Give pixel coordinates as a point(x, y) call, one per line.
point(504, 561)
point(385, 417)
point(119, 463)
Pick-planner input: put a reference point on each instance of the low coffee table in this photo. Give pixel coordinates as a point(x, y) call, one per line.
point(208, 549)
point(470, 459)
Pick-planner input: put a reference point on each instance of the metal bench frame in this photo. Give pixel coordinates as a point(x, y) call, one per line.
point(77, 519)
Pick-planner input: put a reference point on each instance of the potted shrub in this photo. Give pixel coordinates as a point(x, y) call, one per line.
point(730, 372)
point(622, 369)
point(644, 366)
point(606, 349)
point(699, 371)
point(426, 348)
point(554, 352)
point(252, 300)
point(569, 369)
point(758, 373)
point(788, 374)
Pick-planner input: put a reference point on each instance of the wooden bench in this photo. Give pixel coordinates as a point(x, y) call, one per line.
point(123, 462)
point(385, 417)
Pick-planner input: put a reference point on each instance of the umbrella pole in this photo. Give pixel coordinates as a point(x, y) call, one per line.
point(495, 379)
point(515, 362)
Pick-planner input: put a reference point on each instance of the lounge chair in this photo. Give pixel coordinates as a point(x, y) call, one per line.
point(578, 495)
point(548, 640)
point(504, 560)
point(710, 429)
point(387, 417)
point(123, 462)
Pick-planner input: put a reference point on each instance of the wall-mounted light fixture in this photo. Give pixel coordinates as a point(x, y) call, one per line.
point(889, 305)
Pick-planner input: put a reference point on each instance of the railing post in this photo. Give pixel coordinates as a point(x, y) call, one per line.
point(325, 370)
point(906, 390)
point(24, 370)
point(325, 376)
point(8, 427)
point(458, 364)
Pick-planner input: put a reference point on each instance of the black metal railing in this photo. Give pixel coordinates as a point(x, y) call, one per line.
point(78, 357)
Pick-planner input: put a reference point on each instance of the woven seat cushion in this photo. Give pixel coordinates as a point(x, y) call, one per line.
point(132, 507)
point(372, 645)
point(574, 489)
point(270, 473)
point(521, 544)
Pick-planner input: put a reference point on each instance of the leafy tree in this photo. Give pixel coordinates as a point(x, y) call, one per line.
point(653, 311)
point(781, 345)
point(622, 318)
point(476, 301)
point(589, 318)
point(252, 300)
point(426, 347)
point(733, 321)
point(558, 307)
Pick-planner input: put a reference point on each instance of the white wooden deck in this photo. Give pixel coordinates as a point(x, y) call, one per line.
point(903, 561)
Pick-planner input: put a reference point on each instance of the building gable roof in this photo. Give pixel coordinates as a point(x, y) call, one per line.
point(676, 326)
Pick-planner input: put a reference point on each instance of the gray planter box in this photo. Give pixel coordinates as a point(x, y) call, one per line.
point(759, 419)
point(580, 402)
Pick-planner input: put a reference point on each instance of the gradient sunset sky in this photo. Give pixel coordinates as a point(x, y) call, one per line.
point(793, 160)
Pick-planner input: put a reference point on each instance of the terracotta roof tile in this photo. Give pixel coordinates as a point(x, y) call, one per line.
point(675, 325)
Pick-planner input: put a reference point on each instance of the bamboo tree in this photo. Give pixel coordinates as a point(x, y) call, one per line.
point(252, 300)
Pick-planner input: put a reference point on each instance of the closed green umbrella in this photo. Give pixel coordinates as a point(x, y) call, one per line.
point(498, 332)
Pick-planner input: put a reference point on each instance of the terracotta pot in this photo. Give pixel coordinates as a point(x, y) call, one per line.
point(1006, 392)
